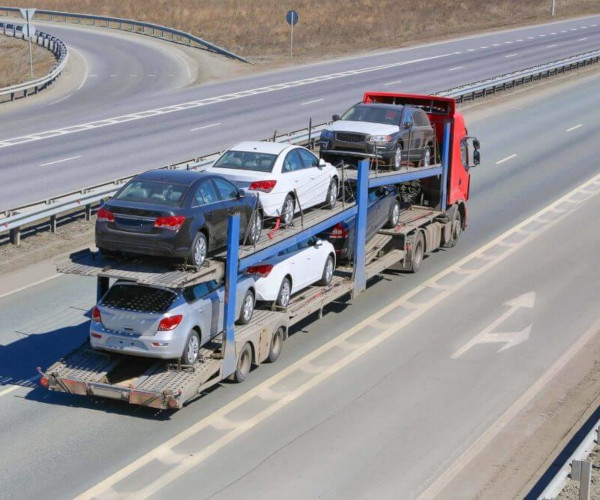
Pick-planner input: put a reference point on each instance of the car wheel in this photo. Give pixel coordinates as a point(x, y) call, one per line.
point(199, 249)
point(397, 159)
point(332, 193)
point(288, 209)
point(327, 272)
point(243, 365)
point(285, 292)
point(191, 353)
point(256, 227)
point(394, 216)
point(414, 257)
point(276, 346)
point(455, 228)
point(427, 156)
point(247, 308)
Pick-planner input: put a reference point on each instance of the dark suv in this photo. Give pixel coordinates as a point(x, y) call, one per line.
point(393, 133)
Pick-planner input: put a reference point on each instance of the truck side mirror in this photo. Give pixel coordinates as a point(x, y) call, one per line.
point(476, 157)
point(476, 144)
point(335, 118)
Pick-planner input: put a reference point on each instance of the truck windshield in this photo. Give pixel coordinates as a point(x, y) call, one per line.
point(374, 114)
point(130, 297)
point(246, 160)
point(156, 193)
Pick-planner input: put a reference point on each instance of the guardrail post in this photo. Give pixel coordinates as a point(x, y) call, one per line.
point(231, 278)
point(88, 212)
point(585, 481)
point(360, 228)
point(15, 236)
point(53, 223)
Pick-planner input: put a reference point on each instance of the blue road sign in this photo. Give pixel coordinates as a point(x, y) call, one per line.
point(292, 17)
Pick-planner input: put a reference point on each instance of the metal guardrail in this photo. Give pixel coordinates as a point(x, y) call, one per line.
point(149, 29)
point(13, 220)
point(581, 453)
point(507, 81)
point(56, 46)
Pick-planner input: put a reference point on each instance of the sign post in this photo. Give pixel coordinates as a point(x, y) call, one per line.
point(292, 19)
point(29, 31)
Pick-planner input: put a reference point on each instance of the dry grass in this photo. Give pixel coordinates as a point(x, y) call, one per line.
point(257, 28)
point(14, 61)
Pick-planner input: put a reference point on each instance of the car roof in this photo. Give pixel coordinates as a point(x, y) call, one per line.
point(274, 148)
point(395, 107)
point(185, 177)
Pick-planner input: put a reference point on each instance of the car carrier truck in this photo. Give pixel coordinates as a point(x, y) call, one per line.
point(434, 212)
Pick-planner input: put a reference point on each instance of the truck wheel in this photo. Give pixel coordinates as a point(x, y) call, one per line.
point(243, 365)
point(199, 249)
point(332, 193)
point(455, 228)
point(288, 209)
point(285, 292)
point(415, 255)
point(191, 351)
point(327, 272)
point(276, 346)
point(247, 308)
point(394, 216)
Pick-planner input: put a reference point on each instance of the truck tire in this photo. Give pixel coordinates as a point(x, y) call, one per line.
point(414, 257)
point(455, 228)
point(244, 364)
point(276, 346)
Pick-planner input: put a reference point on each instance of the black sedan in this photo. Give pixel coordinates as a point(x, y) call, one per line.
point(383, 210)
point(175, 213)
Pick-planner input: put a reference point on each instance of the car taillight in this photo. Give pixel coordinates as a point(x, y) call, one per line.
point(173, 222)
point(96, 316)
point(169, 323)
point(105, 215)
point(263, 270)
point(339, 231)
point(44, 382)
point(264, 186)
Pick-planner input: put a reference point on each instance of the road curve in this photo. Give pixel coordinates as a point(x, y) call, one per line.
point(199, 120)
point(389, 423)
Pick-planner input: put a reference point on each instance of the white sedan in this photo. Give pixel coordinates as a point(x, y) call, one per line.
point(293, 270)
point(287, 178)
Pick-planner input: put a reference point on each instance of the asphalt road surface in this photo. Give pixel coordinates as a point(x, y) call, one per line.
point(118, 128)
point(369, 401)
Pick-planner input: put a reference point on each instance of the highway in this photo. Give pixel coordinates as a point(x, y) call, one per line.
point(377, 400)
point(93, 140)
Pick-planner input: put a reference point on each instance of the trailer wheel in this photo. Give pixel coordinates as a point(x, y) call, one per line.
point(243, 365)
point(455, 228)
point(276, 345)
point(414, 258)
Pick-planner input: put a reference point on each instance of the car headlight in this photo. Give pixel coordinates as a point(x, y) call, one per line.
point(326, 134)
point(380, 138)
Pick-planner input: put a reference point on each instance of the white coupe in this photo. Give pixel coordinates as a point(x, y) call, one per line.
point(293, 270)
point(287, 178)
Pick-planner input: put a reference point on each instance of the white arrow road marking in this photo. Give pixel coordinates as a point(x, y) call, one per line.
point(509, 339)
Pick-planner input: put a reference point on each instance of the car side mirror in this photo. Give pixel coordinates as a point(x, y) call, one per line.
point(335, 118)
point(408, 124)
point(322, 163)
point(318, 243)
point(241, 194)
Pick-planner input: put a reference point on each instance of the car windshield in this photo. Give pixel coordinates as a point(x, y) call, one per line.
point(156, 193)
point(139, 298)
point(373, 114)
point(246, 160)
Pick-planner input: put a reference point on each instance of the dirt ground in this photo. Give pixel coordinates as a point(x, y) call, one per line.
point(326, 28)
point(14, 61)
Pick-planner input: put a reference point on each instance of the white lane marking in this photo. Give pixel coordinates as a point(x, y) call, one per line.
point(436, 488)
point(85, 70)
point(471, 50)
point(483, 47)
point(506, 159)
point(550, 46)
point(530, 38)
point(25, 287)
point(151, 74)
point(520, 40)
point(205, 126)
point(456, 68)
point(553, 33)
point(210, 100)
point(13, 388)
point(459, 52)
point(93, 76)
point(113, 76)
point(563, 31)
point(511, 55)
point(311, 102)
point(191, 460)
point(541, 36)
point(507, 43)
point(583, 27)
point(582, 39)
point(573, 29)
point(60, 161)
point(575, 127)
point(392, 83)
point(133, 76)
point(63, 98)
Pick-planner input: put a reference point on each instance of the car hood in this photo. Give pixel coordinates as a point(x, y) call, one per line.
point(363, 127)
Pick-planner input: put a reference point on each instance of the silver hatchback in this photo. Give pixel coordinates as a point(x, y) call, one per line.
point(163, 323)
